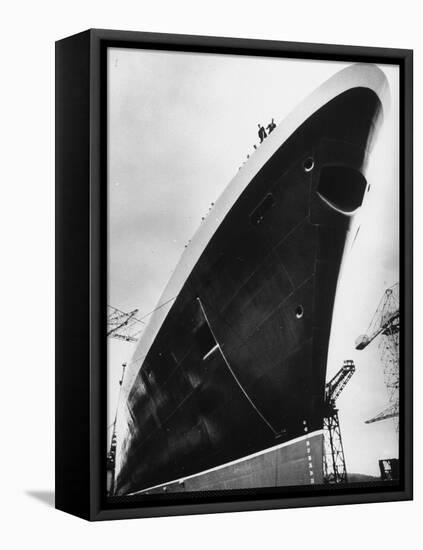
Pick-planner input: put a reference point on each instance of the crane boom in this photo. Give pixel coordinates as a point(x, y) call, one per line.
point(385, 318)
point(390, 412)
point(122, 325)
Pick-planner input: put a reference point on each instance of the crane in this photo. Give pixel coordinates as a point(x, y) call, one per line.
point(335, 386)
point(122, 325)
point(386, 323)
point(385, 320)
point(334, 466)
point(111, 455)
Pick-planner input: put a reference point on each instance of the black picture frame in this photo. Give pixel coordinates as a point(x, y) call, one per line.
point(81, 280)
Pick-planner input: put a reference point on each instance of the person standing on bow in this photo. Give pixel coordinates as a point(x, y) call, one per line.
point(261, 133)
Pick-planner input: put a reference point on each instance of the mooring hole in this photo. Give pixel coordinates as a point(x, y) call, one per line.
point(342, 187)
point(308, 164)
point(299, 312)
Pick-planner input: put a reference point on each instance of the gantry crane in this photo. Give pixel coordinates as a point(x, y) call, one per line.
point(334, 466)
point(386, 323)
point(123, 326)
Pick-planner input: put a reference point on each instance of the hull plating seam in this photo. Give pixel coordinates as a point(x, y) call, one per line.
point(233, 374)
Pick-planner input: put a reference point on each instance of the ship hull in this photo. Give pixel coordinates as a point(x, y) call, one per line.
point(238, 365)
point(293, 463)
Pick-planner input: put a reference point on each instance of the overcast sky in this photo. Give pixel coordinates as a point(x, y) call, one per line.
point(180, 125)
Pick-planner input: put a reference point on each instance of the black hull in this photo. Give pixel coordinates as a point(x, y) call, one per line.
point(239, 363)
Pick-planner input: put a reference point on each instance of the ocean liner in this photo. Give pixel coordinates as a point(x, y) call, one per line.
point(226, 386)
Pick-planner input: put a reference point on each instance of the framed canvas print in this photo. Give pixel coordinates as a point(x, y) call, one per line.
point(234, 274)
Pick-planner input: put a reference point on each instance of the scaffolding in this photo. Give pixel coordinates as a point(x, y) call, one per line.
point(111, 455)
point(123, 326)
